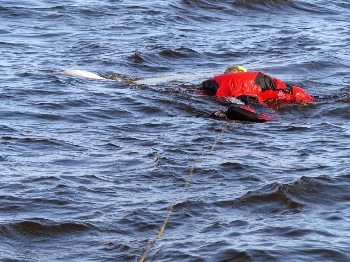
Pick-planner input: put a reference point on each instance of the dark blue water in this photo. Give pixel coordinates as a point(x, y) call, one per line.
point(90, 168)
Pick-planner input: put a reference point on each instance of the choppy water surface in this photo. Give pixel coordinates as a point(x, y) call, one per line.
point(90, 168)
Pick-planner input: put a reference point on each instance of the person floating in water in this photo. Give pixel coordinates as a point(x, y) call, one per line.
point(251, 86)
point(238, 83)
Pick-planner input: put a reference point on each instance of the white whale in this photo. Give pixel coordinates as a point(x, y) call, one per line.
point(85, 74)
point(184, 77)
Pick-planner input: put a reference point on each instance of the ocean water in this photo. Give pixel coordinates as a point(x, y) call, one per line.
point(91, 169)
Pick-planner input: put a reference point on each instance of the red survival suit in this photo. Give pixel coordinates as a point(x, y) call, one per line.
point(261, 86)
point(252, 84)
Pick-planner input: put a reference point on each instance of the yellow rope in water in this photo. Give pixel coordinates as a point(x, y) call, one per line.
point(160, 233)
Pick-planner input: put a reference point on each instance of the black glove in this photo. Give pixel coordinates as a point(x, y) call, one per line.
point(243, 114)
point(210, 86)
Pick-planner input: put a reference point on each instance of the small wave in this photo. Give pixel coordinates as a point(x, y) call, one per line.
point(30, 227)
point(15, 11)
point(268, 5)
point(232, 166)
point(6, 128)
point(42, 228)
point(203, 3)
point(190, 204)
point(276, 197)
point(178, 53)
point(325, 254)
point(230, 254)
point(345, 99)
point(159, 59)
point(120, 247)
point(234, 7)
point(10, 45)
point(269, 198)
point(93, 12)
point(137, 57)
point(31, 140)
point(291, 231)
point(263, 2)
point(219, 226)
point(321, 190)
point(296, 129)
point(340, 112)
point(50, 117)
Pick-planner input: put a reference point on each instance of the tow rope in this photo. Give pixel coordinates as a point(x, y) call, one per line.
point(160, 232)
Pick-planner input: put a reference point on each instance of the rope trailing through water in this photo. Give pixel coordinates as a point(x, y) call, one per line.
point(160, 232)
